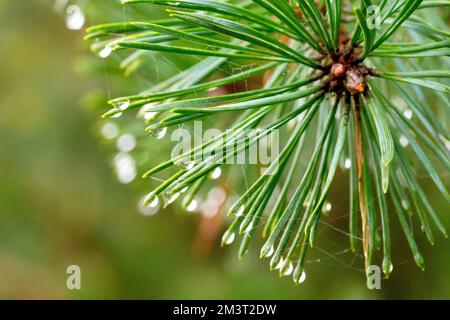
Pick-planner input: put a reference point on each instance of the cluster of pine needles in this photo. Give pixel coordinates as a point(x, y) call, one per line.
point(364, 82)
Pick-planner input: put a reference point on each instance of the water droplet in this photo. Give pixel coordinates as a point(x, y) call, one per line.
point(186, 164)
point(146, 111)
point(154, 203)
point(148, 210)
point(348, 163)
point(228, 238)
point(408, 114)
point(249, 228)
point(405, 204)
point(240, 212)
point(288, 270)
point(151, 200)
point(159, 133)
point(269, 253)
point(150, 115)
point(74, 17)
point(404, 141)
point(192, 206)
point(391, 268)
point(121, 105)
point(172, 198)
point(117, 115)
point(217, 172)
point(388, 267)
point(446, 142)
point(280, 264)
point(184, 190)
point(126, 142)
point(302, 278)
point(306, 204)
point(327, 207)
point(105, 52)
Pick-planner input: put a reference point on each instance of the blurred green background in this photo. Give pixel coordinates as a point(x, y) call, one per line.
point(61, 204)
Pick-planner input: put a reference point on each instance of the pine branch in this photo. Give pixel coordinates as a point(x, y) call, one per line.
point(306, 67)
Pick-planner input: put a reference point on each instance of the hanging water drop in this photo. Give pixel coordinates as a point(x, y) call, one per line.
point(249, 228)
point(121, 105)
point(75, 17)
point(405, 204)
point(148, 210)
point(280, 264)
point(302, 278)
point(148, 116)
point(240, 212)
point(348, 163)
point(154, 203)
point(446, 142)
point(228, 238)
point(408, 114)
point(288, 270)
point(404, 141)
point(105, 52)
point(216, 173)
point(117, 115)
point(186, 164)
point(124, 105)
point(151, 201)
point(269, 253)
point(192, 206)
point(172, 198)
point(159, 133)
point(184, 190)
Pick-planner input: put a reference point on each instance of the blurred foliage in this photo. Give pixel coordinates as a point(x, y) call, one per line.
point(60, 204)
